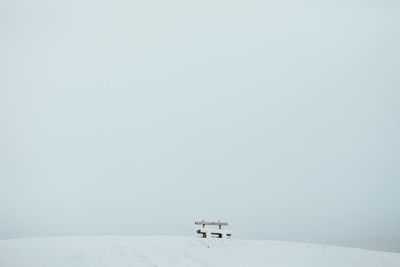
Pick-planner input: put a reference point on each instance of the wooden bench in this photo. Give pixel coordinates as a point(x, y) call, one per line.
point(219, 233)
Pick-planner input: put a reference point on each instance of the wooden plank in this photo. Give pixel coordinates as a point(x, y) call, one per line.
point(211, 223)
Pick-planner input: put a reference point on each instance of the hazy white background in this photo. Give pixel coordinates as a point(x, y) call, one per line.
point(139, 117)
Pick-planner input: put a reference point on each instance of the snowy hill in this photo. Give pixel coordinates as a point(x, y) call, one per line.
point(137, 251)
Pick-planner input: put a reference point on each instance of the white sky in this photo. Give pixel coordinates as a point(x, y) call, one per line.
point(140, 117)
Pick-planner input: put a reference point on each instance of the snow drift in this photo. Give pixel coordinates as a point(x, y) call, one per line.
point(121, 251)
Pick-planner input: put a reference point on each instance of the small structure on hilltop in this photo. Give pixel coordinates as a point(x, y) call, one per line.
point(213, 232)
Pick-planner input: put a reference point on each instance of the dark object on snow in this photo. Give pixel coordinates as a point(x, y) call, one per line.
point(211, 232)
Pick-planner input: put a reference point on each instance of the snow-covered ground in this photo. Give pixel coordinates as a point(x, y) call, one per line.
point(137, 251)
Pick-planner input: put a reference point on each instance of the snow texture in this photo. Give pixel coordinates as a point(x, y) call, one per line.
point(123, 251)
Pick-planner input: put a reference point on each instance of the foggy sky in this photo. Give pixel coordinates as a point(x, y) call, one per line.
point(140, 117)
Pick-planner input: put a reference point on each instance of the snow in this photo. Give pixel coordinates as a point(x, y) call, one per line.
point(138, 251)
